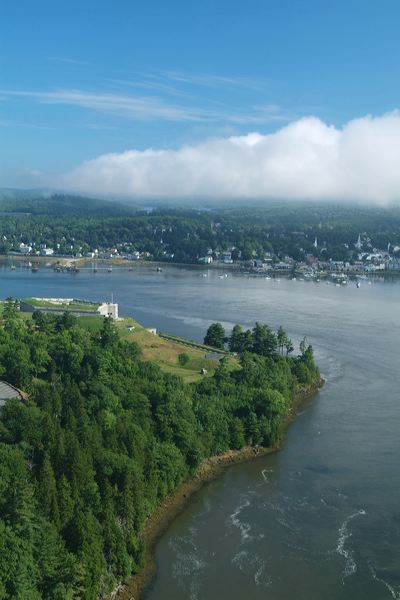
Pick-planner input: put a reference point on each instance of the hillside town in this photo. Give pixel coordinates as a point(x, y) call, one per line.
point(366, 258)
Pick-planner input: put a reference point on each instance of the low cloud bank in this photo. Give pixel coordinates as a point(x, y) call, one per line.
point(306, 159)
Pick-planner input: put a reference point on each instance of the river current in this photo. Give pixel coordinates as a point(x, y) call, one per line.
point(319, 519)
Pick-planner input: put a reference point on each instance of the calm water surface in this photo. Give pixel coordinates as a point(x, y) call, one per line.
point(321, 518)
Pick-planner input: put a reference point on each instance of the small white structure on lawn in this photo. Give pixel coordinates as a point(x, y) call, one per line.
point(109, 309)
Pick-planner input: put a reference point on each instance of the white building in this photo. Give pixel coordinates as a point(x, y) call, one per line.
point(108, 309)
point(25, 248)
point(228, 258)
point(47, 252)
point(207, 260)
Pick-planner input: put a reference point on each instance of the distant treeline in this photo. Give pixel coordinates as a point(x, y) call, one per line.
point(103, 437)
point(71, 225)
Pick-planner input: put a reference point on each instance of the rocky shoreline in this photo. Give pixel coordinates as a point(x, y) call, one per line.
point(173, 505)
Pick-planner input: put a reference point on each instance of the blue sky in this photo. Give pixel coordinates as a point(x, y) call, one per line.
point(84, 78)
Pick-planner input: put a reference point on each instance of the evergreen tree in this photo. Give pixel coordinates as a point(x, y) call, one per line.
point(215, 336)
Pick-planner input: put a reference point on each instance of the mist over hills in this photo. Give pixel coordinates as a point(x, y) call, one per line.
point(49, 202)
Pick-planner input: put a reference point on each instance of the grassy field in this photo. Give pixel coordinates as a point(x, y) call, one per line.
point(163, 352)
point(167, 353)
point(75, 305)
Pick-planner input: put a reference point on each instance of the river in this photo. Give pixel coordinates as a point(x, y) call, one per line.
point(320, 518)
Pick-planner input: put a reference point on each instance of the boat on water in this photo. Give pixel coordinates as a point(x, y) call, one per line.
point(109, 270)
point(358, 284)
point(34, 269)
point(13, 267)
point(159, 269)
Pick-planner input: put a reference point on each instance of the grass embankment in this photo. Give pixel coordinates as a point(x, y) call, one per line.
point(63, 306)
point(165, 352)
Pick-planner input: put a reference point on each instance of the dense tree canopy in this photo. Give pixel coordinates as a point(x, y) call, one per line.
point(71, 225)
point(103, 437)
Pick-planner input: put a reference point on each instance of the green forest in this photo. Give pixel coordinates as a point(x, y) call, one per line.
point(72, 225)
point(103, 436)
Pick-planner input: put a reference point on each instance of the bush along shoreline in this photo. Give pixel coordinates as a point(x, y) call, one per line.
point(102, 440)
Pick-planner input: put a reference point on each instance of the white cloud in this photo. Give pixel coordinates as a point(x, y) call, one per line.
point(306, 159)
point(148, 108)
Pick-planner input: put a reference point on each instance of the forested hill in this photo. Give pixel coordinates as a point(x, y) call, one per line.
point(73, 226)
point(60, 205)
point(103, 437)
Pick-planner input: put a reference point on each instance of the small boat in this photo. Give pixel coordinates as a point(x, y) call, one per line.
point(267, 278)
point(35, 269)
point(130, 268)
point(159, 269)
point(358, 284)
point(109, 270)
point(13, 267)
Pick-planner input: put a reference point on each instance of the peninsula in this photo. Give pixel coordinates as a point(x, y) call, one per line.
point(104, 438)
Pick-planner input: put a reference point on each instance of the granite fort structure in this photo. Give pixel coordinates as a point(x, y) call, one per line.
point(71, 305)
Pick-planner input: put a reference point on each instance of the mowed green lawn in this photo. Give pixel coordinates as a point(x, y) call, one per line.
point(163, 352)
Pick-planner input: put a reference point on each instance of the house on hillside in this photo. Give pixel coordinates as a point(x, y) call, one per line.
point(8, 392)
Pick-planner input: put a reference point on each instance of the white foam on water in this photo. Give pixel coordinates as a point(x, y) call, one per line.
point(189, 566)
point(253, 565)
point(395, 594)
point(243, 527)
point(289, 526)
point(187, 563)
point(261, 577)
point(344, 534)
point(240, 559)
point(264, 474)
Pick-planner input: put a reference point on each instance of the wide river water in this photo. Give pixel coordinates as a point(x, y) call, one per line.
point(320, 519)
